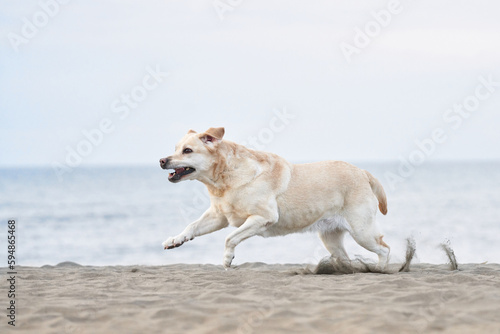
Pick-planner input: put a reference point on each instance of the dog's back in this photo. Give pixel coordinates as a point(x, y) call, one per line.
point(324, 190)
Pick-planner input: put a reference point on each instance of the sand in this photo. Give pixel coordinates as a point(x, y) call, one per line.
point(254, 298)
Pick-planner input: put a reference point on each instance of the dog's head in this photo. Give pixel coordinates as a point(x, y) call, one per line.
point(194, 155)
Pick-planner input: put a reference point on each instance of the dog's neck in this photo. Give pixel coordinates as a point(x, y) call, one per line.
point(214, 189)
point(224, 171)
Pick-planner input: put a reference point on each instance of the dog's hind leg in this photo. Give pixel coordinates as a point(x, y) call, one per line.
point(334, 243)
point(254, 225)
point(366, 233)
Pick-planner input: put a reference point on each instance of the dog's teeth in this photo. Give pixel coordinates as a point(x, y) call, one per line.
point(187, 168)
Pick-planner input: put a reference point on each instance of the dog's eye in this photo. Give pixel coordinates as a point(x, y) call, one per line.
point(187, 150)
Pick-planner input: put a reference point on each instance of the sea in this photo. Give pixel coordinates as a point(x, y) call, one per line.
point(121, 215)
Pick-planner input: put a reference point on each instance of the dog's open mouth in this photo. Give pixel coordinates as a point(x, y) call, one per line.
point(178, 173)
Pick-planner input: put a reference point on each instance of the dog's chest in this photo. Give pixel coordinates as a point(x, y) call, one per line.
point(234, 209)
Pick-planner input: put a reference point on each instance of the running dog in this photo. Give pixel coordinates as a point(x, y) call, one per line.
point(262, 194)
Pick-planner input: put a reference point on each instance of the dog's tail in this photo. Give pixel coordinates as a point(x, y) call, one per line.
point(379, 192)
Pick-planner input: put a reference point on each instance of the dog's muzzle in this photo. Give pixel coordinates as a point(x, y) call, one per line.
point(164, 162)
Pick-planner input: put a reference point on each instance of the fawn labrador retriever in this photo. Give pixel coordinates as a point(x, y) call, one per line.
point(262, 194)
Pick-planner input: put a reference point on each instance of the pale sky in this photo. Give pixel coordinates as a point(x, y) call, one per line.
point(69, 68)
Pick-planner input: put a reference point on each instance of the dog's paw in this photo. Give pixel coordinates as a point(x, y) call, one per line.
point(173, 242)
point(228, 258)
point(169, 243)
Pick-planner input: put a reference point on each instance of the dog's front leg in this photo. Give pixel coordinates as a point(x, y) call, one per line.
point(209, 222)
point(252, 226)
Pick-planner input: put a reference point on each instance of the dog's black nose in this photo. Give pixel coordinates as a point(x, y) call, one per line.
point(163, 162)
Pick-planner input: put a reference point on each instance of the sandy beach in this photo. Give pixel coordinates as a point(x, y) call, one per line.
point(254, 298)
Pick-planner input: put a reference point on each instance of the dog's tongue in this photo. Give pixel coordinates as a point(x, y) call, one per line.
point(179, 170)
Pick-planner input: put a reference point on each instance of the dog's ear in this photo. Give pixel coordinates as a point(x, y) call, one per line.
point(217, 133)
point(191, 131)
point(212, 135)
